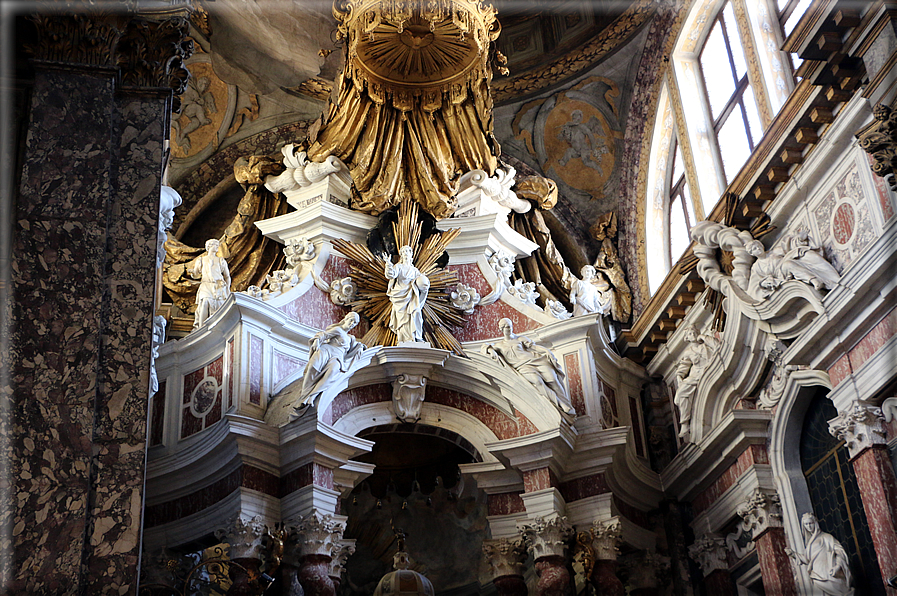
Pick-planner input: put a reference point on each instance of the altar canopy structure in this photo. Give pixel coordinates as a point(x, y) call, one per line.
point(284, 319)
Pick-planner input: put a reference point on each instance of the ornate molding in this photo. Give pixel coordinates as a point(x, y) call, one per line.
point(606, 538)
point(504, 557)
point(709, 551)
point(151, 54)
point(408, 392)
point(879, 139)
point(860, 428)
point(760, 511)
point(342, 550)
point(314, 534)
point(86, 38)
point(246, 537)
point(547, 538)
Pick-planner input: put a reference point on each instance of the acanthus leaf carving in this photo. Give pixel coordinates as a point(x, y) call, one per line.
point(151, 54)
point(879, 139)
point(547, 537)
point(860, 427)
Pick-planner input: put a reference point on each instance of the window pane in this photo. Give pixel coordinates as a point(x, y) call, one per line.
point(689, 205)
point(678, 229)
point(734, 41)
point(795, 15)
point(717, 72)
point(677, 165)
point(733, 144)
point(753, 114)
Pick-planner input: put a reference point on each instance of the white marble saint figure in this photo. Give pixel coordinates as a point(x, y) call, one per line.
point(534, 363)
point(591, 294)
point(792, 258)
point(214, 286)
point(407, 291)
point(691, 367)
point(333, 355)
point(825, 559)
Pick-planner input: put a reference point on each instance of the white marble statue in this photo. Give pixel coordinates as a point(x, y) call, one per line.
point(825, 559)
point(333, 355)
point(407, 291)
point(689, 371)
point(534, 363)
point(792, 258)
point(168, 200)
point(159, 324)
point(214, 287)
point(591, 294)
point(465, 298)
point(525, 291)
point(299, 171)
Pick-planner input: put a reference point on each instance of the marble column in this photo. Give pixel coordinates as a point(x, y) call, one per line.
point(504, 559)
point(606, 538)
point(762, 515)
point(83, 249)
point(709, 551)
point(309, 551)
point(246, 540)
point(862, 429)
point(547, 539)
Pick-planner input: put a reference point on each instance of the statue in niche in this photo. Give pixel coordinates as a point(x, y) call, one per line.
point(214, 287)
point(584, 139)
point(407, 291)
point(333, 355)
point(792, 258)
point(534, 363)
point(591, 294)
point(825, 559)
point(694, 362)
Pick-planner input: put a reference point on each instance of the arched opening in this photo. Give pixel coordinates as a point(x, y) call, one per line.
point(417, 487)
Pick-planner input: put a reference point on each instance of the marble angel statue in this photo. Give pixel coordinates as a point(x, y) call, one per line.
point(793, 258)
point(214, 285)
point(407, 291)
point(534, 363)
point(590, 294)
point(698, 353)
point(333, 355)
point(825, 559)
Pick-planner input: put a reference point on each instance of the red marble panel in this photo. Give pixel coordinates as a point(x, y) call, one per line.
point(497, 421)
point(285, 365)
point(157, 416)
point(884, 194)
point(874, 340)
point(163, 513)
point(191, 380)
point(352, 398)
point(190, 424)
point(843, 223)
point(574, 383)
point(483, 323)
point(300, 477)
point(215, 369)
point(259, 480)
point(775, 566)
point(322, 476)
point(878, 490)
point(586, 486)
point(537, 479)
point(505, 504)
point(753, 454)
point(840, 370)
point(315, 309)
point(214, 414)
point(255, 370)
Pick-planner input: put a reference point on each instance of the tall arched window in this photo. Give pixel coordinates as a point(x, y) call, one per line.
point(835, 495)
point(726, 80)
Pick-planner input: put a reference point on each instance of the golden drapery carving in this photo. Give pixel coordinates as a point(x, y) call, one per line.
point(414, 110)
point(249, 254)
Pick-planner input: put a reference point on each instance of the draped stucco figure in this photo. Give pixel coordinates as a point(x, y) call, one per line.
point(591, 294)
point(214, 287)
point(407, 291)
point(534, 363)
point(793, 258)
point(333, 355)
point(694, 362)
point(825, 559)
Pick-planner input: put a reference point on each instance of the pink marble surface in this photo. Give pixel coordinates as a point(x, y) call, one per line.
point(871, 343)
point(190, 423)
point(775, 566)
point(285, 365)
point(554, 579)
point(315, 309)
point(352, 398)
point(574, 383)
point(840, 370)
point(586, 486)
point(753, 454)
point(878, 490)
point(537, 479)
point(505, 503)
point(497, 421)
point(255, 369)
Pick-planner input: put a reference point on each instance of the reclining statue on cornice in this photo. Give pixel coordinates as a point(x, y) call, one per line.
point(766, 283)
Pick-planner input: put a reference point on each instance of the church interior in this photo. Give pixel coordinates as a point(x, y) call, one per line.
point(449, 297)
